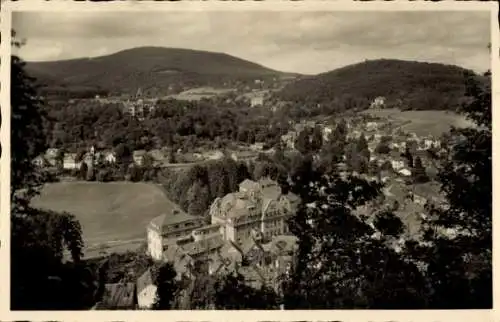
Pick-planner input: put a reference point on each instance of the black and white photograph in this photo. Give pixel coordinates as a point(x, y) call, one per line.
point(250, 159)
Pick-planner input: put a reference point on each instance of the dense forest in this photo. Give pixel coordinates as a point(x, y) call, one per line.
point(175, 124)
point(405, 84)
point(158, 71)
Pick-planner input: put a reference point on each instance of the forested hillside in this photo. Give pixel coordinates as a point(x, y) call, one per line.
point(157, 70)
point(405, 84)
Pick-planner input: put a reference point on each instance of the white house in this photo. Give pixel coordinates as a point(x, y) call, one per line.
point(378, 102)
point(146, 291)
point(326, 133)
point(215, 155)
point(257, 101)
point(371, 126)
point(69, 162)
point(419, 199)
point(138, 156)
point(405, 172)
point(397, 164)
point(110, 157)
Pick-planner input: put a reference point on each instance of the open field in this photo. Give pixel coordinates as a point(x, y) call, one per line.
point(110, 213)
point(195, 94)
point(423, 122)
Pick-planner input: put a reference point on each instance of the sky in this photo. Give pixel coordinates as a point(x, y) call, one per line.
point(301, 42)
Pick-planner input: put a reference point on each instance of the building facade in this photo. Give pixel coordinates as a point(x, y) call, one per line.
point(256, 207)
point(171, 226)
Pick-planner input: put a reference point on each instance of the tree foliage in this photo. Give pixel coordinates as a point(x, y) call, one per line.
point(340, 263)
point(460, 262)
point(39, 239)
point(167, 287)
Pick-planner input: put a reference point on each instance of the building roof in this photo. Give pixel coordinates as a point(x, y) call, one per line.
point(248, 185)
point(144, 281)
point(171, 252)
point(203, 245)
point(138, 153)
point(118, 296)
point(175, 216)
point(283, 244)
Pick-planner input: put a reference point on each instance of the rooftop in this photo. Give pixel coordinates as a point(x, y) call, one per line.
point(118, 296)
point(204, 245)
point(175, 216)
point(144, 280)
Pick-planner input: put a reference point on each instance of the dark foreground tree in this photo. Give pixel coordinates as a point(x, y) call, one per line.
point(231, 293)
point(39, 239)
point(167, 287)
point(343, 262)
point(458, 255)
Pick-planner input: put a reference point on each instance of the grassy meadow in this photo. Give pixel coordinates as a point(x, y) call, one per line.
point(110, 213)
point(423, 122)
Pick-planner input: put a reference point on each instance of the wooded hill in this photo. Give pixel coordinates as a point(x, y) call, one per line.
point(409, 84)
point(156, 70)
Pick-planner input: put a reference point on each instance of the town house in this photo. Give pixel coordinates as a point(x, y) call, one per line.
point(173, 225)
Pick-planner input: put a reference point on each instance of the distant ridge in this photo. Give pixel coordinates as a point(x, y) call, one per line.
point(419, 85)
point(151, 68)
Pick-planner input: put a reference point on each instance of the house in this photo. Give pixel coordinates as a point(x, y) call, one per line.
point(289, 139)
point(138, 156)
point(397, 164)
point(118, 296)
point(266, 262)
point(146, 290)
point(371, 126)
point(405, 172)
point(51, 153)
point(257, 146)
point(214, 155)
point(327, 131)
point(378, 102)
point(110, 157)
point(257, 101)
point(169, 226)
point(419, 200)
point(40, 161)
point(70, 162)
point(244, 155)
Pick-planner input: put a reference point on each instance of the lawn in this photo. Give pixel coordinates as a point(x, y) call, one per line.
point(423, 122)
point(110, 213)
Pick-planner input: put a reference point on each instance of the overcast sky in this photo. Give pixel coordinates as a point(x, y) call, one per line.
point(307, 42)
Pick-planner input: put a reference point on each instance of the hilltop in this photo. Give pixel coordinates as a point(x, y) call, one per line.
point(409, 84)
point(156, 70)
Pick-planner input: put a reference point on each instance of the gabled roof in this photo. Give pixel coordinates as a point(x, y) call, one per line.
point(283, 244)
point(171, 252)
point(204, 245)
point(248, 184)
point(174, 217)
point(118, 296)
point(144, 281)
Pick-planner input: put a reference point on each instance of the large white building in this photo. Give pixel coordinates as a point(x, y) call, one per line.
point(258, 207)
